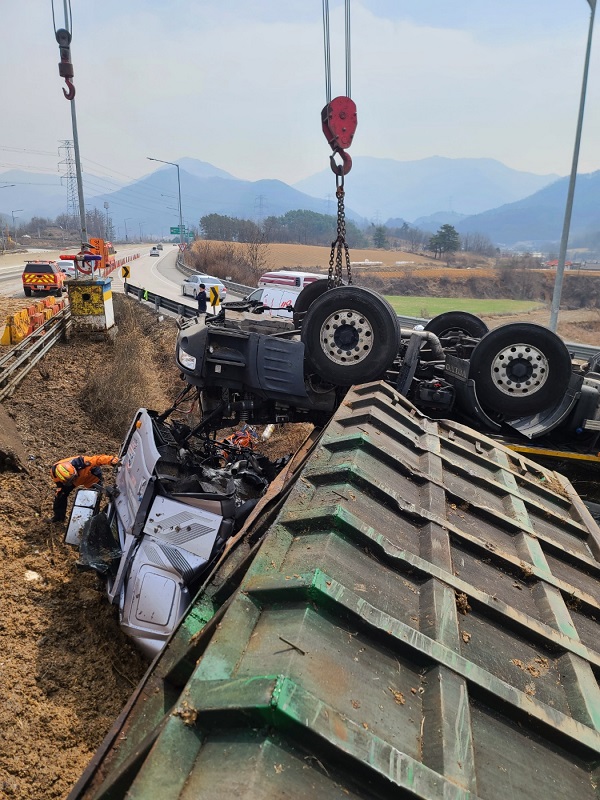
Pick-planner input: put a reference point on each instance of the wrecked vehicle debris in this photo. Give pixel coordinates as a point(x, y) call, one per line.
point(175, 503)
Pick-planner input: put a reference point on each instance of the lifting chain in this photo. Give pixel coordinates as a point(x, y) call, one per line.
point(334, 276)
point(338, 120)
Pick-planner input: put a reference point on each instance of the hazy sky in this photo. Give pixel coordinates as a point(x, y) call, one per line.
point(240, 83)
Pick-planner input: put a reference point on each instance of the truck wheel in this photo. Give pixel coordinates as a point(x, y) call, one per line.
point(520, 369)
point(27, 291)
point(452, 323)
point(350, 335)
point(307, 297)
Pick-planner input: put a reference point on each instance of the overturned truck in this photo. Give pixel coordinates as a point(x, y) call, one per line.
point(181, 494)
point(518, 380)
point(409, 612)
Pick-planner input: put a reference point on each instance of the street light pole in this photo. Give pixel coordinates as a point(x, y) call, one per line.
point(13, 219)
point(560, 268)
point(141, 223)
point(125, 222)
point(171, 163)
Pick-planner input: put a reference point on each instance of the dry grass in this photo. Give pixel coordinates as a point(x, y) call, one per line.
point(229, 258)
point(139, 374)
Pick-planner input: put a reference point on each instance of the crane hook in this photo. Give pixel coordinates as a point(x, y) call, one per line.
point(346, 165)
point(71, 93)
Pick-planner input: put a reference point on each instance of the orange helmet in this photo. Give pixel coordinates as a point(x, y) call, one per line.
point(63, 472)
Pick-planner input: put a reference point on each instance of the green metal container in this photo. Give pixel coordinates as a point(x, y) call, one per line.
point(419, 621)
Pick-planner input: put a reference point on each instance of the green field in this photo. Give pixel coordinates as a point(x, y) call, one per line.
point(428, 307)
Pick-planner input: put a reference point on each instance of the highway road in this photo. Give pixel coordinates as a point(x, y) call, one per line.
point(158, 275)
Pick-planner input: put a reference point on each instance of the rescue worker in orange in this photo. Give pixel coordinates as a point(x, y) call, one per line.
point(70, 473)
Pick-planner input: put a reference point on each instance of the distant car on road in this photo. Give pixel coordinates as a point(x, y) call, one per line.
point(154, 251)
point(69, 268)
point(191, 286)
point(159, 246)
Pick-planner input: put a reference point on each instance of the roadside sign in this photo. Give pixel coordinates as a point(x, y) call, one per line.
point(213, 295)
point(178, 230)
point(174, 230)
point(125, 272)
point(182, 246)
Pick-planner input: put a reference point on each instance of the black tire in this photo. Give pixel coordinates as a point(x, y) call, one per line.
point(307, 297)
point(27, 291)
point(520, 369)
point(350, 335)
point(451, 323)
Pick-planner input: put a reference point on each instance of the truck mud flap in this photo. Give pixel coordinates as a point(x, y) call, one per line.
point(545, 421)
point(420, 620)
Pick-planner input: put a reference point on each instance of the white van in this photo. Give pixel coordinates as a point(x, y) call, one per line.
point(278, 302)
point(288, 279)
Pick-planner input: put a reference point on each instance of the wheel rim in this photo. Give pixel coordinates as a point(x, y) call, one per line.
point(519, 370)
point(346, 337)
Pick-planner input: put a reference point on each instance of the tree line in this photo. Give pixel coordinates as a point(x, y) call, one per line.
point(309, 227)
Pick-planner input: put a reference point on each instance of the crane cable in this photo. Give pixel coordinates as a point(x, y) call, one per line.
point(327, 49)
point(338, 120)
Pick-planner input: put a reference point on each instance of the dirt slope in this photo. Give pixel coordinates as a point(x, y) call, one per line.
point(65, 668)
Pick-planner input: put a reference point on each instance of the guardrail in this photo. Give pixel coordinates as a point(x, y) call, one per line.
point(20, 359)
point(174, 306)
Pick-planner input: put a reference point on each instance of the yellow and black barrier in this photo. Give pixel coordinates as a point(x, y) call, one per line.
point(23, 322)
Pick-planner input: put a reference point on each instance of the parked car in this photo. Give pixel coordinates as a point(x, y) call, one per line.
point(43, 276)
point(154, 251)
point(191, 286)
point(69, 268)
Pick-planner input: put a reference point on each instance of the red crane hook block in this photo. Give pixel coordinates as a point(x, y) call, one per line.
point(339, 122)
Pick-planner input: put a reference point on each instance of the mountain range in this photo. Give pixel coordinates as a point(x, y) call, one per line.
point(474, 195)
point(383, 187)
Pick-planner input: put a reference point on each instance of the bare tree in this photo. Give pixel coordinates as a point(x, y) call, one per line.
point(257, 254)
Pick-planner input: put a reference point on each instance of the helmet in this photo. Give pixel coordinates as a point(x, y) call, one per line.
point(63, 472)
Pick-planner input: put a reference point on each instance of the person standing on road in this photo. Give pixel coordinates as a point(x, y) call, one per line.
point(201, 299)
point(70, 473)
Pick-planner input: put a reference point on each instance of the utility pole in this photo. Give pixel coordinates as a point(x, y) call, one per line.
point(562, 256)
point(107, 224)
point(125, 221)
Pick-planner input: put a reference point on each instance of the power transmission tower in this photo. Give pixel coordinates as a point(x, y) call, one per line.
point(69, 179)
point(260, 204)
